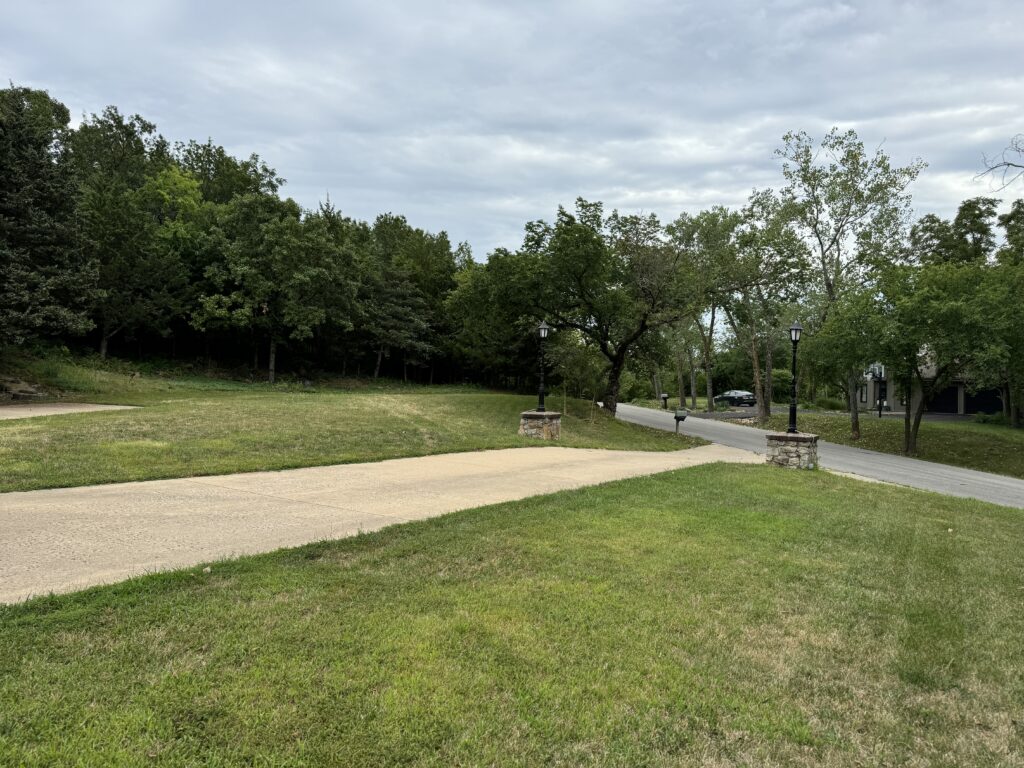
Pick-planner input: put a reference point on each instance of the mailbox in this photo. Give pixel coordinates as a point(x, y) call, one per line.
point(681, 414)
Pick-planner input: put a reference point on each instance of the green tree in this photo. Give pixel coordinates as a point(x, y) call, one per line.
point(707, 245)
point(769, 275)
point(46, 281)
point(934, 330)
point(120, 161)
point(852, 208)
point(419, 270)
point(612, 279)
point(222, 177)
point(493, 313)
point(282, 277)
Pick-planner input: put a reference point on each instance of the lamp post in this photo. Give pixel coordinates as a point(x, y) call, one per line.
point(542, 330)
point(794, 335)
point(880, 394)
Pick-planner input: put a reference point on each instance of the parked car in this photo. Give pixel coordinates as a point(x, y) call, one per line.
point(737, 397)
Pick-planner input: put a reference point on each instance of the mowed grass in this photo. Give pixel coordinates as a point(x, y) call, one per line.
point(189, 427)
point(721, 615)
point(986, 447)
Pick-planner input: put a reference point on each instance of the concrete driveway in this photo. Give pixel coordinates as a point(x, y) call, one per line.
point(29, 410)
point(68, 538)
point(926, 475)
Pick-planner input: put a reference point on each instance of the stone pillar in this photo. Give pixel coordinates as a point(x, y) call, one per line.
point(797, 451)
point(547, 425)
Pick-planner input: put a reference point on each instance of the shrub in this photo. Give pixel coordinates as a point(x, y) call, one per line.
point(990, 418)
point(830, 404)
point(782, 380)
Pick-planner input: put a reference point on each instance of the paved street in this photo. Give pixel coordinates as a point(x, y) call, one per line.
point(925, 475)
point(68, 538)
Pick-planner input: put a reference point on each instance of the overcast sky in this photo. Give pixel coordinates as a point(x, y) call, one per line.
point(474, 117)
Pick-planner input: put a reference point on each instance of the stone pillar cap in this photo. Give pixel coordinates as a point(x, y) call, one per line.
point(797, 437)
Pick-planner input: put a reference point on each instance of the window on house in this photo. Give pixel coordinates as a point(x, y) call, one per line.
point(863, 393)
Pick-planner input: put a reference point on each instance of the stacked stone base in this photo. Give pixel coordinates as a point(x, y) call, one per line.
point(796, 451)
point(545, 425)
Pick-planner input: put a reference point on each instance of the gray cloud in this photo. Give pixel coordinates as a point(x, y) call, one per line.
point(474, 117)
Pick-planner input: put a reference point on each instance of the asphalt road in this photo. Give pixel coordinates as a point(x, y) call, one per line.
point(926, 475)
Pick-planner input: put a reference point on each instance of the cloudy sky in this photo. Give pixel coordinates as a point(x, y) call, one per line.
point(474, 117)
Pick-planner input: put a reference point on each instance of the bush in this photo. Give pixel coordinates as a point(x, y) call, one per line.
point(990, 418)
point(830, 404)
point(782, 380)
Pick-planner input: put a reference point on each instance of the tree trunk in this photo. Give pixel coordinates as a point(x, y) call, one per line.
point(906, 415)
point(681, 377)
point(103, 346)
point(272, 360)
point(344, 364)
point(431, 374)
point(755, 359)
point(1007, 399)
point(769, 385)
point(854, 409)
point(1015, 414)
point(693, 381)
point(380, 356)
point(656, 383)
point(611, 397)
point(918, 413)
point(405, 369)
point(710, 389)
point(709, 343)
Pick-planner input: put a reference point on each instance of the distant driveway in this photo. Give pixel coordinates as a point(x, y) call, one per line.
point(28, 410)
point(926, 475)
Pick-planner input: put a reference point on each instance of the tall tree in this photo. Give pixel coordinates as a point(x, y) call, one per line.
point(46, 281)
point(143, 284)
point(852, 207)
point(707, 245)
point(613, 279)
point(769, 275)
point(282, 278)
point(221, 177)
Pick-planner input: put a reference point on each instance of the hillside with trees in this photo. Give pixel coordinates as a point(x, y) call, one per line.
point(117, 241)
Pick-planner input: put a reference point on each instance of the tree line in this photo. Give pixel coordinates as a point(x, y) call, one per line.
point(112, 235)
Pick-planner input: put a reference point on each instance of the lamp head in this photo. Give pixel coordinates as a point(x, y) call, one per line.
point(543, 329)
point(795, 330)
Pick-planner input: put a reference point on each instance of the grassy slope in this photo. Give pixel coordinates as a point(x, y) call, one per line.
point(712, 616)
point(207, 426)
point(987, 447)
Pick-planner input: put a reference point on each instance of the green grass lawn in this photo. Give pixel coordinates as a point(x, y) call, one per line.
point(719, 615)
point(203, 426)
point(987, 447)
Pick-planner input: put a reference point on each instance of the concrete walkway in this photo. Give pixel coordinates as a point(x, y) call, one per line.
point(926, 475)
point(28, 410)
point(68, 538)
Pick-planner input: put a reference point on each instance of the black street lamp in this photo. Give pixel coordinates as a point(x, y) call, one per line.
point(542, 330)
point(794, 335)
point(876, 371)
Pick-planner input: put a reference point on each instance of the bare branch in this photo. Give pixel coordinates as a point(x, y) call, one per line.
point(1007, 166)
